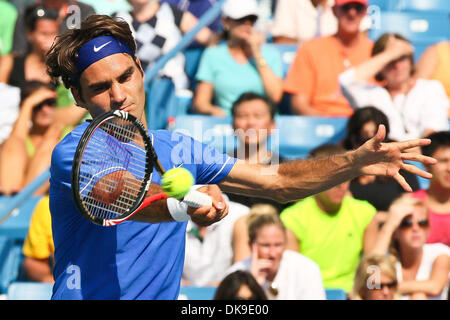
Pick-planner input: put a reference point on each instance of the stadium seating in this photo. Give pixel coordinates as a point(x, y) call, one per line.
point(420, 5)
point(196, 293)
point(294, 138)
point(298, 135)
point(335, 294)
point(30, 291)
point(287, 52)
point(16, 226)
point(421, 28)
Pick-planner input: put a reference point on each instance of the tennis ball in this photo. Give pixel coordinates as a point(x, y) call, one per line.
point(176, 182)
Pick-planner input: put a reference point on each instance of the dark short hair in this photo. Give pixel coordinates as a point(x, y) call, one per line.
point(440, 139)
point(358, 119)
point(230, 285)
point(326, 150)
point(63, 54)
point(31, 86)
point(380, 45)
point(35, 12)
point(250, 96)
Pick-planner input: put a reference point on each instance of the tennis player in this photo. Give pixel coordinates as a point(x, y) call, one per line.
point(141, 260)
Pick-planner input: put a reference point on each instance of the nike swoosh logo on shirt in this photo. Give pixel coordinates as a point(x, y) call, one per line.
point(101, 47)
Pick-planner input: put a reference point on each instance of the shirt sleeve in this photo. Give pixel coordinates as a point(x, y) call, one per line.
point(284, 23)
point(435, 116)
point(206, 66)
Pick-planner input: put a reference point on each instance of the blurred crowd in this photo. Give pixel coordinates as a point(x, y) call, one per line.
point(366, 237)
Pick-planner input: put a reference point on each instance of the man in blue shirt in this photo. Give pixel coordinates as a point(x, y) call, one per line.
point(142, 258)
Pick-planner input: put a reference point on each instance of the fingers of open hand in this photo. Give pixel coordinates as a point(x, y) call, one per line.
point(415, 170)
point(401, 180)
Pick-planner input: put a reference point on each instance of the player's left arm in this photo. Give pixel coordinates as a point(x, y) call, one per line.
point(302, 178)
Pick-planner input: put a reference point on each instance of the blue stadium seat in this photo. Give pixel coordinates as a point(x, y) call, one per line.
point(30, 291)
point(16, 226)
point(421, 28)
point(192, 57)
point(298, 135)
point(214, 131)
point(383, 5)
point(196, 293)
point(421, 5)
point(287, 52)
point(335, 294)
point(10, 264)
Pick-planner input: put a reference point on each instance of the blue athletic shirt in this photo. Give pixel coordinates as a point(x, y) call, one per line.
point(133, 260)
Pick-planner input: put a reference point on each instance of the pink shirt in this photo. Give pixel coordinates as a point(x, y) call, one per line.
point(439, 222)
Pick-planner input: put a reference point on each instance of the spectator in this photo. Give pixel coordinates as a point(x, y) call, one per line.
point(239, 285)
point(378, 191)
point(198, 8)
point(242, 64)
point(283, 274)
point(8, 16)
point(10, 97)
point(28, 149)
point(38, 247)
point(108, 7)
point(422, 269)
point(253, 121)
point(312, 79)
point(70, 12)
point(209, 251)
point(437, 196)
point(330, 228)
point(435, 64)
point(157, 29)
point(301, 20)
point(414, 107)
point(375, 279)
point(42, 27)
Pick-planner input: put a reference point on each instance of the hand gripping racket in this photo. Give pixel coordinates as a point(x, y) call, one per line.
point(112, 170)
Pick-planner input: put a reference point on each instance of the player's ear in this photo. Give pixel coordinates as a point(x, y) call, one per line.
point(77, 96)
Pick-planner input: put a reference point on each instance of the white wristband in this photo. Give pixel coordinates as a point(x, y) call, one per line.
point(178, 209)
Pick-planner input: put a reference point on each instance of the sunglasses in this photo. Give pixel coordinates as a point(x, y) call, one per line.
point(47, 102)
point(250, 18)
point(408, 223)
point(389, 285)
point(357, 6)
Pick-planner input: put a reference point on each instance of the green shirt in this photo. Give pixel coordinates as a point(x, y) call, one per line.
point(8, 16)
point(334, 242)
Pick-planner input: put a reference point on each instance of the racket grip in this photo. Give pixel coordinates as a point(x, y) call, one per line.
point(197, 199)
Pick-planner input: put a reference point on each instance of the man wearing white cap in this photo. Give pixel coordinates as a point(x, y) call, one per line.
point(240, 65)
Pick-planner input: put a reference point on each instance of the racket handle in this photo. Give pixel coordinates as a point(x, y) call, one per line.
point(197, 199)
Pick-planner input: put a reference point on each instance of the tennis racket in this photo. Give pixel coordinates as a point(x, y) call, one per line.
point(112, 170)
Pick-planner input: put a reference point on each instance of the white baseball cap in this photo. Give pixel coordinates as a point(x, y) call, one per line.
point(237, 9)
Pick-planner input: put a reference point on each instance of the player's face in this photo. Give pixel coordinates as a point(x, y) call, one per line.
point(441, 170)
point(253, 121)
point(270, 244)
point(112, 83)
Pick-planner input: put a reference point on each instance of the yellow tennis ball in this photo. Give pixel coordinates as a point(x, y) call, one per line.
point(176, 182)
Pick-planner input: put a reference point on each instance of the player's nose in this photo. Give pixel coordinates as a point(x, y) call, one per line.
point(117, 94)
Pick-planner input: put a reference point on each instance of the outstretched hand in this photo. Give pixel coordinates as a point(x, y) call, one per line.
point(376, 157)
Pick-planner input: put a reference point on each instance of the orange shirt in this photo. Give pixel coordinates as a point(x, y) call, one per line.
point(316, 68)
point(442, 71)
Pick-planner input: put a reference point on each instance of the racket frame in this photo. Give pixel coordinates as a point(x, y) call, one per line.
point(151, 161)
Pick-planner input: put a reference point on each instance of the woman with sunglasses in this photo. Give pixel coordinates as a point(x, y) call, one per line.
point(422, 269)
point(415, 107)
point(375, 279)
point(241, 64)
point(27, 151)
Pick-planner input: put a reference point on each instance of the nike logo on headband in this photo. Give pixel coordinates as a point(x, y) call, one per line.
point(101, 47)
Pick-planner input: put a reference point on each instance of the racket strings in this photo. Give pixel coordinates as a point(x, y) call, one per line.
point(112, 169)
